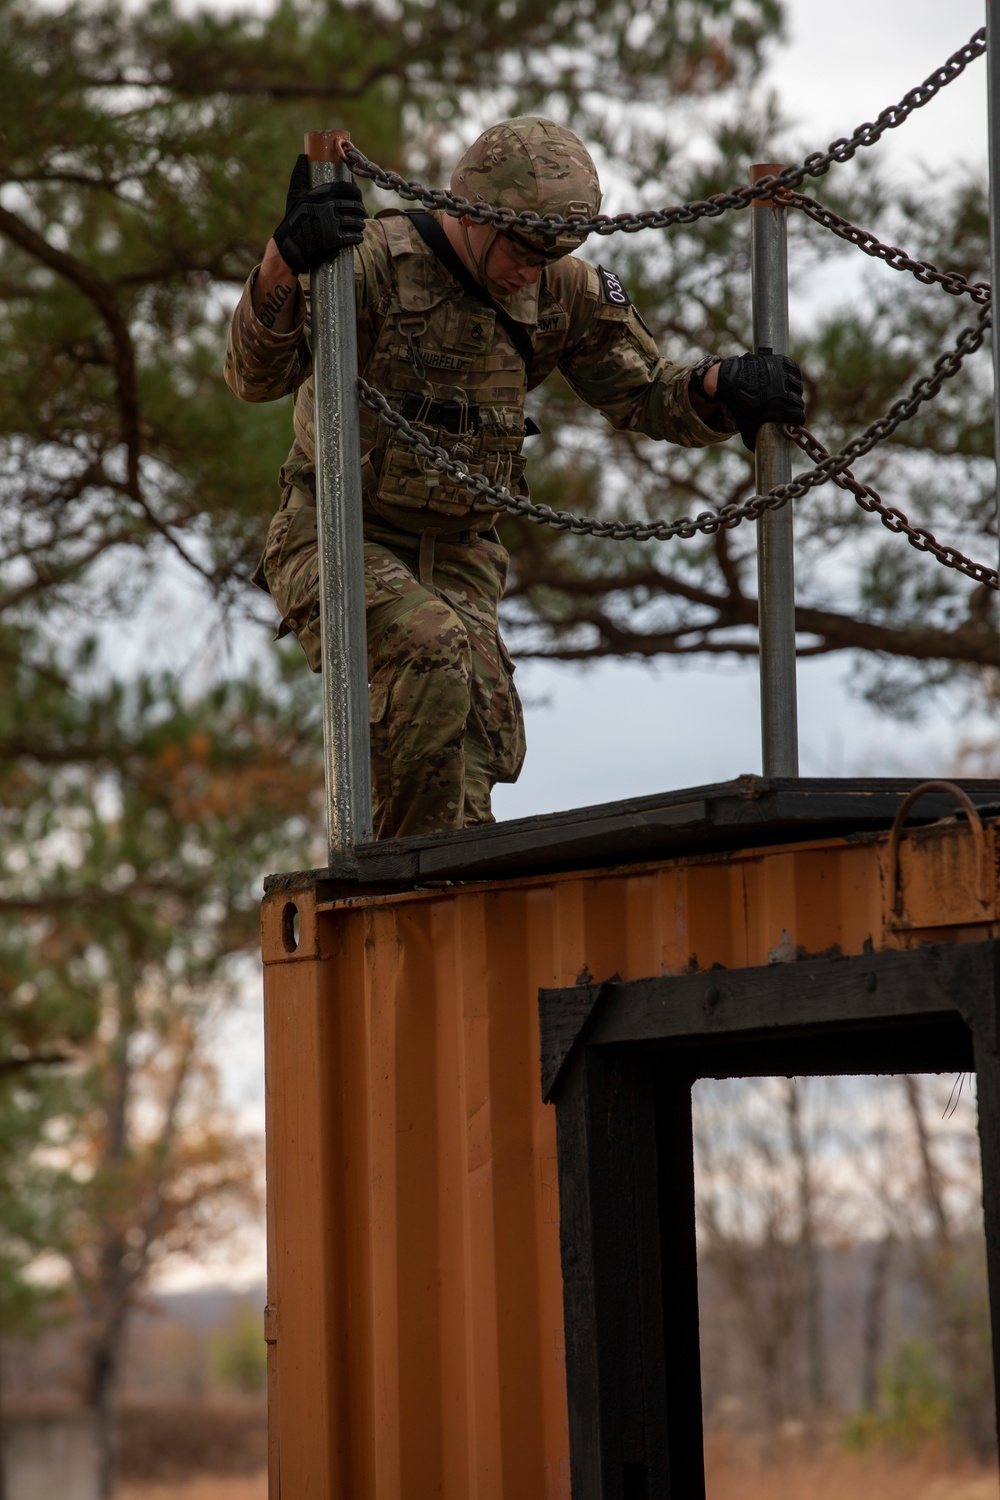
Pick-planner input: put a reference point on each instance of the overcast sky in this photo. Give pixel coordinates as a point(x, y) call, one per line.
point(845, 62)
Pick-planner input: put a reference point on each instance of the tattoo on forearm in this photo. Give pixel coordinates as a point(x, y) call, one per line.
point(273, 303)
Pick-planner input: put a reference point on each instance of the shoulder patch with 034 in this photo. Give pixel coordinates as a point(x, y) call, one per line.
point(612, 290)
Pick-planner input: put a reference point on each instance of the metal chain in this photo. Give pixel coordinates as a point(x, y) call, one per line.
point(924, 389)
point(892, 517)
point(706, 522)
point(815, 165)
point(923, 270)
point(560, 520)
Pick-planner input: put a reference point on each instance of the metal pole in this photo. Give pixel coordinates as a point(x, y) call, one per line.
point(993, 95)
point(340, 528)
point(775, 555)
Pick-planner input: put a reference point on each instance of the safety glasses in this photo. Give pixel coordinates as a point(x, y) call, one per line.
point(529, 253)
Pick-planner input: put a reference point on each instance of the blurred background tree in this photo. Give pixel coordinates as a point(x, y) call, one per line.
point(239, 1354)
point(842, 1263)
point(143, 163)
point(144, 816)
point(143, 168)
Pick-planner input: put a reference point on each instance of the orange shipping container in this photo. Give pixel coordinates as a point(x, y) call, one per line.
point(415, 1306)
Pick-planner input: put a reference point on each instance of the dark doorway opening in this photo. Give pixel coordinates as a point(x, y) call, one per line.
point(619, 1061)
point(844, 1318)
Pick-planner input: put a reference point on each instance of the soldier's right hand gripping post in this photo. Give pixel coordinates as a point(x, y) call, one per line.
point(456, 322)
point(318, 223)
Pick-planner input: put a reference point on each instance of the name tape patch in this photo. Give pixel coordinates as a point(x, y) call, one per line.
point(612, 289)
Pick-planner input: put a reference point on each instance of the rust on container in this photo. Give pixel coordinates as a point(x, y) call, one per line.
point(413, 1201)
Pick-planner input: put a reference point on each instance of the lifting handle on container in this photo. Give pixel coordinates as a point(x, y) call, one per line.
point(975, 823)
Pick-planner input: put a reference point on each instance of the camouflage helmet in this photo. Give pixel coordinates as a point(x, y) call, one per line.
point(532, 165)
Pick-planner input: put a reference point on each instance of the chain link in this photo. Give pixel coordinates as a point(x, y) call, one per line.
point(707, 522)
point(892, 517)
point(815, 165)
point(923, 270)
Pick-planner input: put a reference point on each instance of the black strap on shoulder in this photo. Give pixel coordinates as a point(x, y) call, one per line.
point(434, 237)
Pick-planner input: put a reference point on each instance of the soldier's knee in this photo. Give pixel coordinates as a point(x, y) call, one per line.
point(291, 569)
point(429, 641)
point(427, 671)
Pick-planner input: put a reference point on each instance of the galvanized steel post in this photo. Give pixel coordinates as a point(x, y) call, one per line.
point(775, 554)
point(993, 93)
point(340, 528)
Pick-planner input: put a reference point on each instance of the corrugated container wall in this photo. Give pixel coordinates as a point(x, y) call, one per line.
point(415, 1293)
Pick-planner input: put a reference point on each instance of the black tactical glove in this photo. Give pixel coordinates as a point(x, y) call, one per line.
point(318, 221)
point(761, 387)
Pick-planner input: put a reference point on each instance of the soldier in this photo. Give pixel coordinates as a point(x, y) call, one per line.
point(457, 321)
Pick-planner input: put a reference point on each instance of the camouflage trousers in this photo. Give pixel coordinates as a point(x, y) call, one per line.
point(446, 720)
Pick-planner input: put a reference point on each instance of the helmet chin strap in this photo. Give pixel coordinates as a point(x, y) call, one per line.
point(478, 262)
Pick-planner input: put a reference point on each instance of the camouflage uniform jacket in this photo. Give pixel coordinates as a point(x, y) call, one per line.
point(419, 332)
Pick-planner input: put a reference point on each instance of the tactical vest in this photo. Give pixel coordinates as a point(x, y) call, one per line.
point(434, 341)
